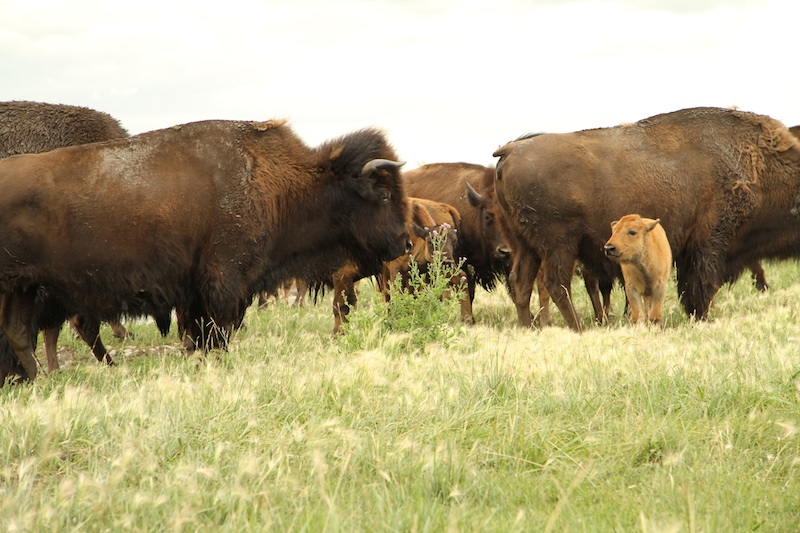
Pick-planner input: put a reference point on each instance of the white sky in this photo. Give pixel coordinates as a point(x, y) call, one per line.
point(446, 80)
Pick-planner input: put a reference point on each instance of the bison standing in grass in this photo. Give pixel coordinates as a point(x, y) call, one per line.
point(35, 127)
point(641, 248)
point(726, 184)
point(469, 188)
point(200, 217)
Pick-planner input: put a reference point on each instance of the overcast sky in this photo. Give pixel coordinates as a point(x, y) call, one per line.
point(446, 80)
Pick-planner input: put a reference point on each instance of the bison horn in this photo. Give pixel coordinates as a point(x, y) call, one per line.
point(376, 164)
point(475, 199)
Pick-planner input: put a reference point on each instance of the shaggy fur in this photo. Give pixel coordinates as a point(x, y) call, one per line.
point(35, 127)
point(205, 215)
point(720, 179)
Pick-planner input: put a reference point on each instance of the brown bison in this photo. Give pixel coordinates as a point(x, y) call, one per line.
point(425, 218)
point(469, 188)
point(641, 248)
point(35, 127)
point(441, 223)
point(200, 217)
point(726, 184)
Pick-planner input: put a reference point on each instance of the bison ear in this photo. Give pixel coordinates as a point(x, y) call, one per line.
point(653, 224)
point(419, 231)
point(475, 199)
point(456, 217)
point(365, 181)
point(614, 224)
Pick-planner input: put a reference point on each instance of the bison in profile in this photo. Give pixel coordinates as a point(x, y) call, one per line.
point(469, 188)
point(200, 217)
point(725, 183)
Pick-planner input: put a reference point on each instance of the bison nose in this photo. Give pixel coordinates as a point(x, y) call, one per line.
point(501, 252)
point(610, 249)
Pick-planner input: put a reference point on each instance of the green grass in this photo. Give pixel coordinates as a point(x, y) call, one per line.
point(693, 427)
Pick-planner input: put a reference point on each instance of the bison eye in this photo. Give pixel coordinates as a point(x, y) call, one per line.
point(632, 232)
point(385, 196)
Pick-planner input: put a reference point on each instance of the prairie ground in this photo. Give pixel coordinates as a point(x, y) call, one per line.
point(691, 427)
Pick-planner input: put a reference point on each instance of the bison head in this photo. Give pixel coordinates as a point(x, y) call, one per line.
point(370, 208)
point(627, 242)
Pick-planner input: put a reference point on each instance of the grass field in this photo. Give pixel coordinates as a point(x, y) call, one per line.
point(693, 427)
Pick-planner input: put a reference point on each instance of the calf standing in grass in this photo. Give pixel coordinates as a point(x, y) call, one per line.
point(641, 248)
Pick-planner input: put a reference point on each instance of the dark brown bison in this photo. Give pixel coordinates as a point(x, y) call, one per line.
point(725, 184)
point(200, 217)
point(470, 189)
point(35, 127)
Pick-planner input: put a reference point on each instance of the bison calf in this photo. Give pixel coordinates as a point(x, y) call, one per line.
point(641, 248)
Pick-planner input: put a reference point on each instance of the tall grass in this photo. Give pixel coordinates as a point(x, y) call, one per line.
point(691, 427)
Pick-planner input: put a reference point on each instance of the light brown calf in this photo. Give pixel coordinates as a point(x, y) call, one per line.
point(641, 248)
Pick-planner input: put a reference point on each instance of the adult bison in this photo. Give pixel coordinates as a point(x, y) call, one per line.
point(470, 189)
point(35, 127)
point(200, 217)
point(725, 184)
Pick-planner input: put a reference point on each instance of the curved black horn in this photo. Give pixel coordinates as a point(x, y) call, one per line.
point(375, 164)
point(475, 199)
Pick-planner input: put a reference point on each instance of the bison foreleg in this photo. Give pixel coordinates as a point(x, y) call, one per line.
point(16, 312)
point(88, 329)
point(50, 336)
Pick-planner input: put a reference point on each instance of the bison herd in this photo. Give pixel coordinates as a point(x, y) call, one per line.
point(199, 219)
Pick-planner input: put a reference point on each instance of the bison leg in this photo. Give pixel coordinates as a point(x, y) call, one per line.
point(654, 305)
point(543, 316)
point(88, 328)
point(118, 330)
point(466, 302)
point(50, 336)
point(605, 286)
point(558, 280)
point(302, 288)
point(638, 309)
point(759, 277)
point(523, 274)
point(16, 313)
point(592, 283)
point(344, 297)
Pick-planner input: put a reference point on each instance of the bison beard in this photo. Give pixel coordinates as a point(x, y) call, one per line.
point(719, 179)
point(200, 217)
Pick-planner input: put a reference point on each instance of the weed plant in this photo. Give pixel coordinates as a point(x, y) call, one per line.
point(423, 312)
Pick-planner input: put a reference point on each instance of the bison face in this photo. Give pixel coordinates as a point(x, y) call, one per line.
point(493, 238)
point(627, 242)
point(378, 221)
